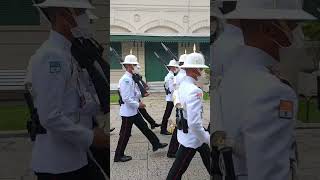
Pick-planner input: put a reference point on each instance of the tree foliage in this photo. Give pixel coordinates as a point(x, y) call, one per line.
point(312, 31)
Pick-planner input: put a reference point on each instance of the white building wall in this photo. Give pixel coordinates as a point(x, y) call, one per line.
point(160, 18)
point(166, 17)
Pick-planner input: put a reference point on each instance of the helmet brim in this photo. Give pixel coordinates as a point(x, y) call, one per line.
point(124, 63)
point(194, 66)
point(269, 14)
point(76, 5)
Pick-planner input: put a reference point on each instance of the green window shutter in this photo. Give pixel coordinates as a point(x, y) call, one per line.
point(205, 50)
point(312, 7)
point(155, 70)
point(18, 12)
point(115, 64)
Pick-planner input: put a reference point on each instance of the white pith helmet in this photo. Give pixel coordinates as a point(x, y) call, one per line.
point(194, 60)
point(183, 57)
point(269, 9)
point(173, 63)
point(81, 4)
point(91, 15)
point(130, 59)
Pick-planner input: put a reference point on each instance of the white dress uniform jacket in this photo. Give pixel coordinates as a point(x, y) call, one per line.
point(169, 84)
point(225, 49)
point(130, 94)
point(258, 115)
point(179, 77)
point(60, 100)
point(191, 98)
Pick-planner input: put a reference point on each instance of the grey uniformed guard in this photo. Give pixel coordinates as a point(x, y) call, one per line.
point(63, 96)
point(169, 88)
point(191, 134)
point(131, 95)
point(257, 110)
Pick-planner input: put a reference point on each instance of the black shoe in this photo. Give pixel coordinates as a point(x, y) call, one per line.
point(171, 155)
point(165, 133)
point(155, 125)
point(122, 159)
point(159, 146)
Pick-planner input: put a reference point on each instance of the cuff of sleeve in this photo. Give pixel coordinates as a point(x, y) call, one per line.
point(137, 105)
point(89, 140)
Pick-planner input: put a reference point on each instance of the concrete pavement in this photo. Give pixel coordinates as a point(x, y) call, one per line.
point(15, 152)
point(147, 164)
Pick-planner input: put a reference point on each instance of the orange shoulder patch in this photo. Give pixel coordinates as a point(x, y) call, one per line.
point(286, 109)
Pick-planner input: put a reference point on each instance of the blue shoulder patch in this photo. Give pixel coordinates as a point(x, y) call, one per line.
point(55, 67)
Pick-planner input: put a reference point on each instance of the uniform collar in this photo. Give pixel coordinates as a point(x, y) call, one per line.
point(59, 39)
point(234, 33)
point(128, 74)
point(182, 71)
point(189, 79)
point(170, 72)
point(251, 56)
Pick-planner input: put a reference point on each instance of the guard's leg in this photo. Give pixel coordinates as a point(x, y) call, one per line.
point(125, 133)
point(143, 127)
point(174, 145)
point(166, 116)
point(204, 151)
point(181, 163)
point(146, 116)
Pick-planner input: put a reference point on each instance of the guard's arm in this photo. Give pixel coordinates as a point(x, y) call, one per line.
point(194, 114)
point(268, 136)
point(171, 84)
point(126, 87)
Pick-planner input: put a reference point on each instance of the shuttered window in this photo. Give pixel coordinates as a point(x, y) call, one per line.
point(115, 64)
point(205, 50)
point(18, 12)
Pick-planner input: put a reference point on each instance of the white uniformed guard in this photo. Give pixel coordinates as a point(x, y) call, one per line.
point(64, 99)
point(182, 73)
point(258, 110)
point(131, 95)
point(143, 111)
point(174, 144)
point(169, 88)
point(224, 50)
point(191, 134)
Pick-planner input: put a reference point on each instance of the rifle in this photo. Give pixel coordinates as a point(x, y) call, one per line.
point(221, 154)
point(136, 77)
point(33, 124)
point(172, 55)
point(88, 57)
point(161, 60)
